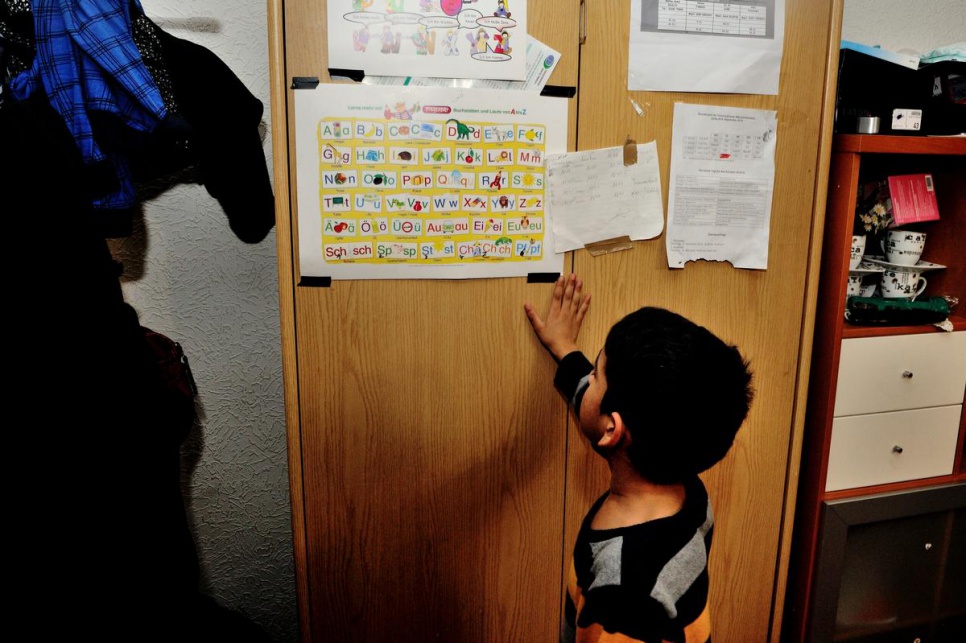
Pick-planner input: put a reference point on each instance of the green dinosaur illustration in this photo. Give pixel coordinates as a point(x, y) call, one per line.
point(462, 129)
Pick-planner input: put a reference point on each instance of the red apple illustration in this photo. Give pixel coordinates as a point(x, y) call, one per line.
point(451, 7)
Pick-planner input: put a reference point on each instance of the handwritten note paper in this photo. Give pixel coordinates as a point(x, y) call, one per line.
point(593, 196)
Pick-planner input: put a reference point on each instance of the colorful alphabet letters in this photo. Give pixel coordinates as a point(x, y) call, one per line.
point(431, 191)
point(415, 181)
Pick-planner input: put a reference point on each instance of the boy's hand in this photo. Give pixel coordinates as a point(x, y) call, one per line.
point(567, 309)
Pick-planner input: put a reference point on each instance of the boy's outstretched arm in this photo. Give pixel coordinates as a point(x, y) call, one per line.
point(568, 305)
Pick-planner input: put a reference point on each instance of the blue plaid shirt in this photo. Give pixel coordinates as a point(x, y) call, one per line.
point(86, 60)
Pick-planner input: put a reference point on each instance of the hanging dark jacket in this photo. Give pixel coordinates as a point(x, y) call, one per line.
point(208, 120)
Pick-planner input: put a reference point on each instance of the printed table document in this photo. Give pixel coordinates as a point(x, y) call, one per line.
point(722, 180)
point(706, 46)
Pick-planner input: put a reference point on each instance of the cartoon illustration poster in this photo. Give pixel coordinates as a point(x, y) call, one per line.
point(424, 183)
point(429, 38)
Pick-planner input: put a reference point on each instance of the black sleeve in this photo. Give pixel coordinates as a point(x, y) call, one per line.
point(570, 379)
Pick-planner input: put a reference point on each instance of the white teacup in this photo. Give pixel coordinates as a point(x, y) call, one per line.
point(854, 286)
point(901, 284)
point(904, 247)
point(857, 251)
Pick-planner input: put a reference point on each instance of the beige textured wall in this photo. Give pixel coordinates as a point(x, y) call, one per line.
point(900, 24)
point(191, 278)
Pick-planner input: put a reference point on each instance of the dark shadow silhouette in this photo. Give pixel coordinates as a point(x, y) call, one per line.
point(104, 550)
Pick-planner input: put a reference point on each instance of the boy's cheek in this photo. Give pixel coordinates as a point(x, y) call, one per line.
point(578, 399)
point(587, 415)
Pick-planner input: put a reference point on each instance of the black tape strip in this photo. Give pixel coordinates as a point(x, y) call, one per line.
point(352, 74)
point(558, 91)
point(542, 277)
point(315, 282)
point(305, 82)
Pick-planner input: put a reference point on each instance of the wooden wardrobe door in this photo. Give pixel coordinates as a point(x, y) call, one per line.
point(766, 313)
point(427, 445)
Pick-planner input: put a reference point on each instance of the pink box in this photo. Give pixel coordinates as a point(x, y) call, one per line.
point(913, 199)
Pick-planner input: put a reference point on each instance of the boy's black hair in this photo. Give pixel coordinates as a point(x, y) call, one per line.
point(682, 392)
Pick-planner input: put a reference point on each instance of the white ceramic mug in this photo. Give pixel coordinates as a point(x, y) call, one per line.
point(854, 286)
point(904, 247)
point(857, 251)
point(901, 284)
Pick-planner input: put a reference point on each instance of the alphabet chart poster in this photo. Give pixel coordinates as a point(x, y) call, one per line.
point(429, 38)
point(424, 183)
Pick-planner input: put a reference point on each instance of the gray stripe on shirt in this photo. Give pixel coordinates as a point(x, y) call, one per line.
point(606, 567)
point(683, 569)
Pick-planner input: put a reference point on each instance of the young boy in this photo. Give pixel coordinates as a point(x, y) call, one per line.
point(662, 404)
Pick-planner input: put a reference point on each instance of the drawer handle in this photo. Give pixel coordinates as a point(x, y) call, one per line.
point(907, 375)
point(897, 449)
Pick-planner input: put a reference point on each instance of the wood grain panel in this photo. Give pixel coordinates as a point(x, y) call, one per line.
point(286, 297)
point(430, 441)
point(761, 311)
point(433, 459)
point(428, 450)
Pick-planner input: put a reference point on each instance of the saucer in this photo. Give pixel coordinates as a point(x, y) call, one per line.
point(865, 268)
point(922, 266)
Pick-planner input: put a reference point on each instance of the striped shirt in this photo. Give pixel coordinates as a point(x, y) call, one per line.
point(646, 582)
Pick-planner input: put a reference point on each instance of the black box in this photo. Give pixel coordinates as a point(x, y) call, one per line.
point(946, 82)
point(917, 102)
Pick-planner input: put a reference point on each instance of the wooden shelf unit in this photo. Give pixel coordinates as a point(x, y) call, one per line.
point(850, 331)
point(857, 159)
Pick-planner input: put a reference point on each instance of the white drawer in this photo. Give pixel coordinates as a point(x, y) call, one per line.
point(898, 372)
point(892, 447)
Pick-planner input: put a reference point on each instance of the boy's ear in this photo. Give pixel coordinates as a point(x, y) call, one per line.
point(615, 432)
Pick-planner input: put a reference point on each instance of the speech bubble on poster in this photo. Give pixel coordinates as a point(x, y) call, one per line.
point(468, 18)
point(496, 23)
point(439, 22)
point(365, 17)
